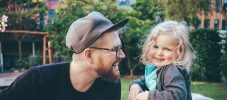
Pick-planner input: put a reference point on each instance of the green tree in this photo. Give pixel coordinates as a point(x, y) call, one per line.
point(148, 10)
point(183, 9)
point(134, 33)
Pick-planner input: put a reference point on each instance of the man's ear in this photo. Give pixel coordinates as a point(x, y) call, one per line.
point(88, 55)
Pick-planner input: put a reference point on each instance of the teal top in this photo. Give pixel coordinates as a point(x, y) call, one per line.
point(151, 77)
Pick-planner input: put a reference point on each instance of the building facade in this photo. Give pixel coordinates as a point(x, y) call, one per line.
point(217, 18)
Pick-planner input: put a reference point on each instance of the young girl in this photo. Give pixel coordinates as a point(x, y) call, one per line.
point(168, 48)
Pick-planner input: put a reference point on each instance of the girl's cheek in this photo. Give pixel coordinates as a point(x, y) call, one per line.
point(150, 55)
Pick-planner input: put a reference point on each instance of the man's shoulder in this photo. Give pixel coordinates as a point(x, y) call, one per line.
point(52, 66)
point(47, 70)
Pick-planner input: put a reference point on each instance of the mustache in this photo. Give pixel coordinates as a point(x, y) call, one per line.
point(116, 61)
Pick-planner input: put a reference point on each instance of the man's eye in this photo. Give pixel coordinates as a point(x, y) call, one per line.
point(119, 48)
point(115, 49)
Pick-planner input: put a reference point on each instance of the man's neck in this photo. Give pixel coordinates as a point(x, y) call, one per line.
point(82, 77)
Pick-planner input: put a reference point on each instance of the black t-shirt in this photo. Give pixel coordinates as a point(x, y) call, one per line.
point(52, 82)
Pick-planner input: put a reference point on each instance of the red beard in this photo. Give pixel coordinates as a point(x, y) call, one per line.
point(109, 75)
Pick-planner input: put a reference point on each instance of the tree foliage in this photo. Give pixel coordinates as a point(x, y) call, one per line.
point(23, 14)
point(182, 9)
point(134, 33)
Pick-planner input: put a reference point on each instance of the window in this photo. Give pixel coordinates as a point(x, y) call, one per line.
point(217, 7)
point(206, 23)
point(225, 5)
point(216, 24)
point(224, 25)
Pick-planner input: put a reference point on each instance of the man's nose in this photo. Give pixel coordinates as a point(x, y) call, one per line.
point(121, 54)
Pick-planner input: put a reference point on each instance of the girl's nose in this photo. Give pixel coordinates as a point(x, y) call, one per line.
point(160, 52)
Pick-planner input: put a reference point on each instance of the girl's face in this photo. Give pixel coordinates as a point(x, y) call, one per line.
point(163, 50)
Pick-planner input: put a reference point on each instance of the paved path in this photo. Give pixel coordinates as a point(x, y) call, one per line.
point(7, 78)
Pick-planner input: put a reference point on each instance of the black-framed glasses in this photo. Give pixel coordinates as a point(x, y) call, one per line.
point(117, 49)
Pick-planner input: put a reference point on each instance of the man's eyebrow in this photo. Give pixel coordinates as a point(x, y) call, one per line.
point(119, 45)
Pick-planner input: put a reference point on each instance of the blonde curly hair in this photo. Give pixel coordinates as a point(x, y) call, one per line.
point(185, 52)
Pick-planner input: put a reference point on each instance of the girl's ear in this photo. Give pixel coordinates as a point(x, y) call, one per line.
point(180, 52)
point(88, 55)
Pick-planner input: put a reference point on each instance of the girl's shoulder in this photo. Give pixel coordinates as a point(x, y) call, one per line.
point(173, 70)
point(172, 67)
point(176, 70)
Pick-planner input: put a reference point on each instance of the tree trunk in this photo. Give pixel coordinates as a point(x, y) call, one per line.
point(20, 49)
point(130, 67)
point(131, 72)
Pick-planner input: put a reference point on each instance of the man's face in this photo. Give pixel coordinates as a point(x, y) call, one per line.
point(107, 61)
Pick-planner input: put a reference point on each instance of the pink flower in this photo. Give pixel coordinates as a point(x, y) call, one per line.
point(3, 24)
point(4, 18)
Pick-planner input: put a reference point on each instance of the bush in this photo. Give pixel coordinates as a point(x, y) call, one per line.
point(206, 43)
point(22, 64)
point(224, 55)
point(35, 60)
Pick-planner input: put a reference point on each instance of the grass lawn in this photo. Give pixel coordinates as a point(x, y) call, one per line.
point(217, 91)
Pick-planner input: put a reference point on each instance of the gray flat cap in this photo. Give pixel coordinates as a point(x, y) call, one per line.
point(86, 30)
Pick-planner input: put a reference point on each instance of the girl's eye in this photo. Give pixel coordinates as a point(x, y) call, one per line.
point(167, 49)
point(155, 46)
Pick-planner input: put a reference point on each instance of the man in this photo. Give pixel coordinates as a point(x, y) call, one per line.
point(93, 73)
